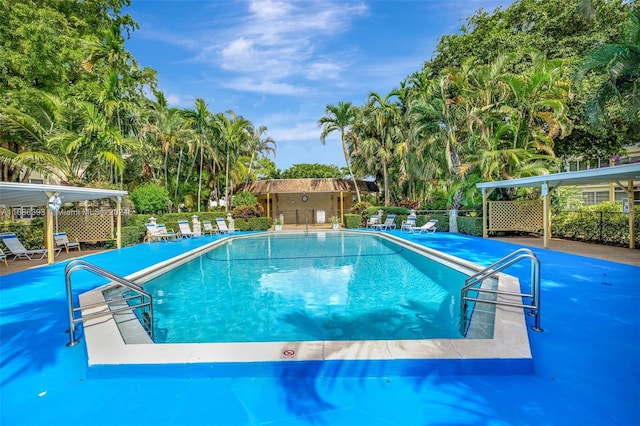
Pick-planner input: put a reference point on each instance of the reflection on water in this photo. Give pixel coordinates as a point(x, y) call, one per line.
point(287, 288)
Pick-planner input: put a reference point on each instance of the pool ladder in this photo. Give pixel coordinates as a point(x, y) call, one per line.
point(144, 303)
point(490, 271)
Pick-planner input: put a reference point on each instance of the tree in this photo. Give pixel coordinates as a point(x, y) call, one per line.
point(619, 65)
point(150, 198)
point(314, 170)
point(235, 140)
point(200, 121)
point(340, 118)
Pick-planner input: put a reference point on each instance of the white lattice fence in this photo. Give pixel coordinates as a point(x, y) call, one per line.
point(84, 227)
point(515, 215)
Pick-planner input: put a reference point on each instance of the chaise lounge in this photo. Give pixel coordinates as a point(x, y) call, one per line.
point(18, 250)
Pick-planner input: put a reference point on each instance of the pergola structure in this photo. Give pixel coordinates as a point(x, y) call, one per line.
point(623, 176)
point(14, 194)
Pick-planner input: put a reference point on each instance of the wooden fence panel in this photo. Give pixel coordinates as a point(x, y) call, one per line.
point(516, 215)
point(87, 226)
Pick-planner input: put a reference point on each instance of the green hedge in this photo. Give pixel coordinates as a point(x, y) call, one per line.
point(352, 221)
point(470, 225)
point(171, 221)
point(132, 235)
point(252, 224)
point(31, 236)
point(591, 225)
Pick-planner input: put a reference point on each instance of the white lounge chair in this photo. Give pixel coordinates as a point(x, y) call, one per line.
point(389, 222)
point(152, 232)
point(429, 227)
point(185, 229)
point(409, 224)
point(62, 240)
point(159, 232)
point(167, 234)
point(17, 249)
point(374, 221)
point(222, 226)
point(3, 257)
point(208, 227)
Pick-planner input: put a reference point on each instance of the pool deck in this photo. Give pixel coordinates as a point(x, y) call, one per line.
point(586, 362)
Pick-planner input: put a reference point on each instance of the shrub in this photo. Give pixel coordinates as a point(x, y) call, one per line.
point(243, 199)
point(352, 221)
point(132, 235)
point(150, 198)
point(470, 225)
point(246, 211)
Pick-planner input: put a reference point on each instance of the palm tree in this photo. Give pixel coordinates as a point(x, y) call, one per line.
point(67, 139)
point(619, 64)
point(235, 138)
point(340, 118)
point(200, 121)
point(259, 145)
point(168, 127)
point(379, 135)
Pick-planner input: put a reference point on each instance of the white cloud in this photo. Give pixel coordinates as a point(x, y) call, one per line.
point(248, 84)
point(180, 100)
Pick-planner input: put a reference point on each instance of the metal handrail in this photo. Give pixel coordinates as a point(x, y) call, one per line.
point(79, 264)
point(493, 270)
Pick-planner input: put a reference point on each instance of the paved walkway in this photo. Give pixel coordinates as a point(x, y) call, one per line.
point(599, 251)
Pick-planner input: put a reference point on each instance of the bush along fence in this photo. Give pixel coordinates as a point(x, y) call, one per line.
point(603, 227)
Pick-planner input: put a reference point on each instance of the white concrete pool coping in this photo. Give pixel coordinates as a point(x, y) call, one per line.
point(106, 345)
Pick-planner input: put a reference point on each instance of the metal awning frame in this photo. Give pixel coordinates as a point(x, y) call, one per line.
point(622, 176)
point(14, 194)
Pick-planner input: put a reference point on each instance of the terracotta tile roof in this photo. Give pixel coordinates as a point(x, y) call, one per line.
point(306, 185)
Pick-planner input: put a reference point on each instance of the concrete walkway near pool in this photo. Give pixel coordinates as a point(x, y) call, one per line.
point(587, 368)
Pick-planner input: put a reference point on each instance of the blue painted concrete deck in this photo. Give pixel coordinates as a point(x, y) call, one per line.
point(587, 362)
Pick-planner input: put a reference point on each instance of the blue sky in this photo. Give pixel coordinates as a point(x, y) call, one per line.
point(280, 63)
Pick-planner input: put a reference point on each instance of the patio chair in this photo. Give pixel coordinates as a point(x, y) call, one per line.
point(222, 226)
point(165, 233)
point(409, 224)
point(159, 232)
point(62, 240)
point(373, 221)
point(185, 229)
point(3, 257)
point(208, 227)
point(152, 232)
point(429, 227)
point(17, 249)
point(389, 222)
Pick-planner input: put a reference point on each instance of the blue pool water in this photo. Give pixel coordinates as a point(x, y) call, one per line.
point(292, 287)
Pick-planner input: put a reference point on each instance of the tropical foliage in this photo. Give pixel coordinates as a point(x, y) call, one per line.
point(507, 96)
point(498, 101)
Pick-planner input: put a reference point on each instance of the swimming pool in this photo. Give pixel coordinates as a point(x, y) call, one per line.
point(502, 345)
point(306, 287)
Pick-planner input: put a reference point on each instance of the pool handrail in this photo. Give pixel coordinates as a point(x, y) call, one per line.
point(494, 269)
point(79, 264)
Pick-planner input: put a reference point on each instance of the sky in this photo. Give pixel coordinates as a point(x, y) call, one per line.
point(280, 63)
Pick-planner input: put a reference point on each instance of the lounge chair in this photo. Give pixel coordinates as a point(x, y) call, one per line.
point(409, 224)
point(222, 226)
point(159, 232)
point(3, 257)
point(17, 249)
point(389, 222)
point(62, 240)
point(165, 233)
point(208, 227)
point(429, 227)
point(152, 232)
point(185, 229)
point(373, 221)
